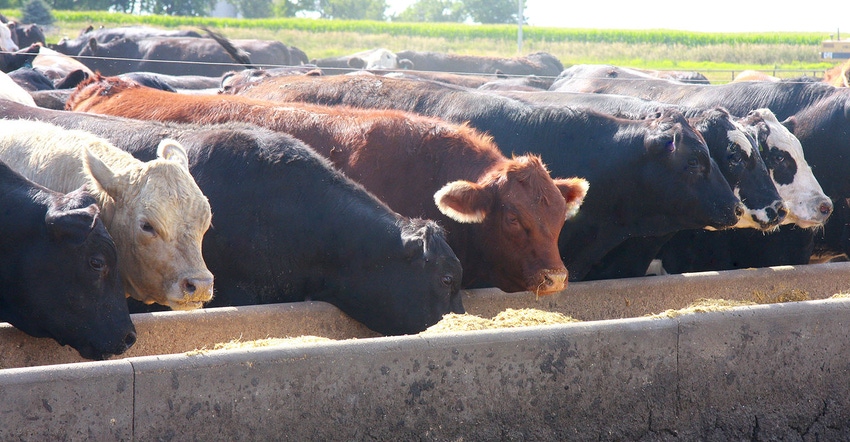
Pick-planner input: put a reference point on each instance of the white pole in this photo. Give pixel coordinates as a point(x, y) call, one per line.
point(519, 29)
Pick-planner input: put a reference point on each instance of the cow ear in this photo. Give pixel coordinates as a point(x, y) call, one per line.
point(464, 201)
point(172, 150)
point(93, 45)
point(574, 191)
point(105, 178)
point(72, 225)
point(790, 123)
point(356, 63)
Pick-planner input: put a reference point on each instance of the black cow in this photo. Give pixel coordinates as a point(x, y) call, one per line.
point(289, 227)
point(105, 35)
point(9, 61)
point(647, 178)
point(26, 34)
point(803, 194)
point(816, 113)
point(58, 272)
point(179, 56)
point(539, 63)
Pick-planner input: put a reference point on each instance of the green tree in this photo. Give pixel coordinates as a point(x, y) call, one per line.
point(493, 11)
point(36, 11)
point(254, 8)
point(285, 8)
point(193, 8)
point(433, 11)
point(346, 9)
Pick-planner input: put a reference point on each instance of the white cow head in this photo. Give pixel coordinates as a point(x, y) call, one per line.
point(158, 217)
point(782, 152)
point(6, 42)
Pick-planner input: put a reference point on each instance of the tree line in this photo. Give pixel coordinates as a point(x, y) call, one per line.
point(462, 11)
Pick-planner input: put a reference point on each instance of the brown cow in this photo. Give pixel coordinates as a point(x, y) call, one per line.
point(503, 215)
point(838, 76)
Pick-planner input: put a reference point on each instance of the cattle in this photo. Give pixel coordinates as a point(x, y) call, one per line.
point(838, 76)
point(813, 111)
point(178, 56)
point(31, 80)
point(529, 83)
point(155, 212)
point(9, 90)
point(26, 34)
point(752, 75)
point(9, 61)
point(807, 204)
point(503, 214)
point(58, 273)
point(680, 76)
point(290, 227)
point(732, 148)
point(56, 65)
point(679, 189)
point(241, 78)
point(541, 64)
point(104, 35)
point(174, 83)
point(6, 42)
point(379, 58)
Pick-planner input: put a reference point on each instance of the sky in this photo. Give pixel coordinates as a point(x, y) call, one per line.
point(828, 16)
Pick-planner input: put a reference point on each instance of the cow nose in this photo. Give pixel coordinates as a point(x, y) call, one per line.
point(825, 208)
point(552, 281)
point(781, 211)
point(197, 287)
point(739, 210)
point(130, 339)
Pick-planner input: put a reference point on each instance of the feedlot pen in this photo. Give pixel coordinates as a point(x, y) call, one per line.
point(761, 372)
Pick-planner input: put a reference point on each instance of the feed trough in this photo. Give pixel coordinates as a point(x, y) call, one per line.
point(768, 371)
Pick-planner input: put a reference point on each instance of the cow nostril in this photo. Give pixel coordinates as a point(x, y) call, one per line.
point(548, 281)
point(782, 212)
point(739, 210)
point(130, 339)
point(189, 287)
point(825, 208)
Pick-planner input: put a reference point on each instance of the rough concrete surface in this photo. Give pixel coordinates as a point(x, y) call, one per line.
point(769, 372)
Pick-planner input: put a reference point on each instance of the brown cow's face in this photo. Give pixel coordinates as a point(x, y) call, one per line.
point(158, 222)
point(521, 211)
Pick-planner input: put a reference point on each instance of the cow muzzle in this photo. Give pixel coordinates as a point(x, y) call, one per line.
point(549, 281)
point(193, 292)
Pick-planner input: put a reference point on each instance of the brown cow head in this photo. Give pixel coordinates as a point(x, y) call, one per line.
point(157, 218)
point(521, 210)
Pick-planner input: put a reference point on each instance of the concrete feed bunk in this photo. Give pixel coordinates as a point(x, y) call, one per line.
point(760, 372)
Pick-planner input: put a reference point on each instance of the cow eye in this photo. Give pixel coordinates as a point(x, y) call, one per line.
point(693, 162)
point(447, 280)
point(736, 156)
point(778, 156)
point(148, 228)
point(97, 263)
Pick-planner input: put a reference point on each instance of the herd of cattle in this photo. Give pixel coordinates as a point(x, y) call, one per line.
point(386, 190)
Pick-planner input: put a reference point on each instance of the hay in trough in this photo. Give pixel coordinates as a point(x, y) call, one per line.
point(509, 318)
point(702, 306)
point(791, 295)
point(236, 344)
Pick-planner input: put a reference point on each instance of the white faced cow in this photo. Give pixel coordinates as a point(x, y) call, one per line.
point(6, 42)
point(154, 210)
point(808, 206)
